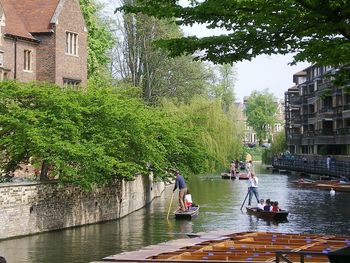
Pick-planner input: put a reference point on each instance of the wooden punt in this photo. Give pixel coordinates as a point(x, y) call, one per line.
point(241, 247)
point(192, 212)
point(240, 176)
point(278, 216)
point(325, 185)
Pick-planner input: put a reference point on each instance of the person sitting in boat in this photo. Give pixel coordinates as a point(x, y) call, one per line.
point(267, 206)
point(275, 207)
point(260, 206)
point(188, 200)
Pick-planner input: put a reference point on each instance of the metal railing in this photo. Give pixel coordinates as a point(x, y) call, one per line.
point(313, 165)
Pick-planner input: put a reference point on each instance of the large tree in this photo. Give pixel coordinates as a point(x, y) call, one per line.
point(317, 31)
point(261, 111)
point(137, 61)
point(100, 39)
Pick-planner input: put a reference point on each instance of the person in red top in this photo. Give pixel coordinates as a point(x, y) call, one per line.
point(275, 207)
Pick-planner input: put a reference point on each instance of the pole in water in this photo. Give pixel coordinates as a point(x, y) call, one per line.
point(171, 202)
point(245, 199)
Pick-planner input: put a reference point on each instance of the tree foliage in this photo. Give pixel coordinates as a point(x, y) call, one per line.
point(317, 31)
point(139, 62)
point(278, 146)
point(261, 111)
point(97, 135)
point(99, 40)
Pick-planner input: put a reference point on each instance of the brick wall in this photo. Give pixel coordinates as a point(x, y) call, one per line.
point(34, 207)
point(46, 60)
point(8, 48)
point(70, 66)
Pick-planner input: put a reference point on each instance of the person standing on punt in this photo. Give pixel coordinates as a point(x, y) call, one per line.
point(180, 183)
point(253, 188)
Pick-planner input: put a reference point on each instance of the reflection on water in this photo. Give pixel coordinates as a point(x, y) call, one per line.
point(311, 211)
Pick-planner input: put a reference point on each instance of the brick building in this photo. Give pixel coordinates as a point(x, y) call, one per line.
point(43, 40)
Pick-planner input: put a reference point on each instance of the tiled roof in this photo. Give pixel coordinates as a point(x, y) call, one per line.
point(36, 14)
point(14, 24)
point(24, 17)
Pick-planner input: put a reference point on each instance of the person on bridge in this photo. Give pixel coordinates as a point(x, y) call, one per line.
point(180, 183)
point(253, 188)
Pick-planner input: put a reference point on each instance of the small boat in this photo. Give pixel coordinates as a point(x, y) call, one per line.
point(278, 216)
point(192, 212)
point(240, 176)
point(228, 176)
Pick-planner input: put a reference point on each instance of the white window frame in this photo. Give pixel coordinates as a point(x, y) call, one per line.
point(71, 44)
point(1, 58)
point(27, 60)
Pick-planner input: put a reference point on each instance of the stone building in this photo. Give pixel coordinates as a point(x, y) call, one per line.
point(43, 40)
point(317, 114)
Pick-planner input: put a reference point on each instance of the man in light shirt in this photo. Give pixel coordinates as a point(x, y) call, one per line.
point(253, 188)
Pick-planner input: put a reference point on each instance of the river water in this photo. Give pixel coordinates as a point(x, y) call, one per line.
point(311, 211)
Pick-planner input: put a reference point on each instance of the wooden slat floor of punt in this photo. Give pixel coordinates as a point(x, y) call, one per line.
point(237, 247)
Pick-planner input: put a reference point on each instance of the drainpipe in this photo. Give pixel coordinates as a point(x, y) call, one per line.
point(15, 64)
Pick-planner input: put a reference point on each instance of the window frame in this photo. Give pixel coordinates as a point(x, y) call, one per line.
point(71, 43)
point(27, 60)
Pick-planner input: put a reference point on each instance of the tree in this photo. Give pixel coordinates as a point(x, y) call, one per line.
point(261, 110)
point(317, 31)
point(99, 40)
point(222, 86)
point(137, 61)
point(278, 146)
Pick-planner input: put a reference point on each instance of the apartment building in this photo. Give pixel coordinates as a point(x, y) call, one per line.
point(43, 40)
point(317, 114)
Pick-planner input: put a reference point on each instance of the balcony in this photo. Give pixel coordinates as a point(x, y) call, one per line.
point(324, 132)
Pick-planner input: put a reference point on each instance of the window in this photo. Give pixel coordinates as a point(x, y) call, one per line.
point(71, 43)
point(27, 65)
point(73, 82)
point(1, 59)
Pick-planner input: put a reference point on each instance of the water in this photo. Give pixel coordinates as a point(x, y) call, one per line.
point(311, 211)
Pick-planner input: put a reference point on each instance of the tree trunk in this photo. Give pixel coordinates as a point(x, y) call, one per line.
point(44, 171)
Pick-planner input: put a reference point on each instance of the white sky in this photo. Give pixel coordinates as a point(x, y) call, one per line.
point(263, 72)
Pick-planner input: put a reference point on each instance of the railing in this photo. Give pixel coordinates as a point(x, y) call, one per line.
point(313, 164)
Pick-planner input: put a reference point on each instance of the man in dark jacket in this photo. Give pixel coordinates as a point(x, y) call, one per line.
point(180, 183)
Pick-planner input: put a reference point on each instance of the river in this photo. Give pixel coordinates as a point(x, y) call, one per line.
point(311, 211)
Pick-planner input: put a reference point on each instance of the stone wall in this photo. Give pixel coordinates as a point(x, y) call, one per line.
point(38, 207)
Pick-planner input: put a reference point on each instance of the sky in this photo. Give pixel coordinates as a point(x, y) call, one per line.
point(263, 72)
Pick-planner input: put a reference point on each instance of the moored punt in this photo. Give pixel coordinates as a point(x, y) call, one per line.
point(326, 185)
point(192, 212)
point(240, 247)
point(278, 216)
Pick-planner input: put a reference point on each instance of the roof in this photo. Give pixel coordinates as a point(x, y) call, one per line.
point(36, 14)
point(25, 17)
point(14, 24)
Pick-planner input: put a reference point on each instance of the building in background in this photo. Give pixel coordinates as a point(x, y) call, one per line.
point(43, 40)
point(250, 138)
point(317, 114)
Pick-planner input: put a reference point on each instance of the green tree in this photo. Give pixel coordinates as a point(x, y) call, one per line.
point(100, 41)
point(261, 111)
point(317, 31)
point(141, 63)
point(222, 85)
point(98, 135)
point(278, 145)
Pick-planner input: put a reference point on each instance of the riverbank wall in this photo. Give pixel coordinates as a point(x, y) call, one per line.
point(30, 208)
